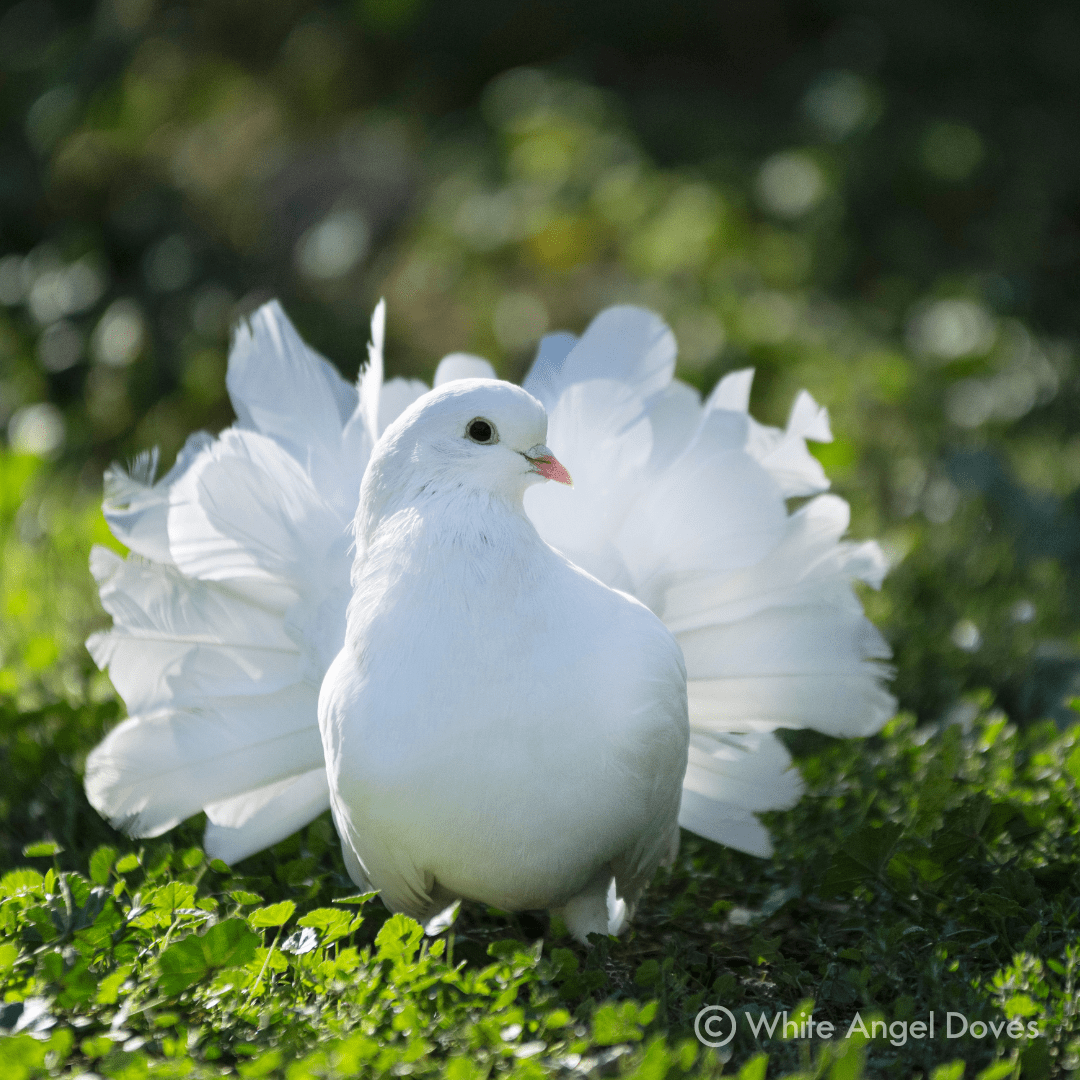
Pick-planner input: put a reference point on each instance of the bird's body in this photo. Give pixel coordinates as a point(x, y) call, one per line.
point(499, 725)
point(444, 764)
point(349, 600)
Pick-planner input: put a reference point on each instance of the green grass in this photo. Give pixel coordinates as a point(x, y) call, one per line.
point(934, 867)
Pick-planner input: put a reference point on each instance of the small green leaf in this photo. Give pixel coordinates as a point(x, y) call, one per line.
point(331, 923)
point(176, 894)
point(53, 966)
point(220, 867)
point(127, 864)
point(755, 1068)
point(1072, 763)
point(647, 974)
point(101, 863)
point(79, 986)
point(359, 898)
point(506, 949)
point(9, 953)
point(1020, 1005)
point(42, 849)
point(566, 964)
point(997, 904)
point(616, 1024)
point(272, 914)
point(96, 1047)
point(108, 991)
point(226, 944)
point(23, 880)
point(60, 1043)
point(261, 1066)
point(557, 1018)
point(863, 856)
point(999, 1070)
point(399, 938)
point(848, 1064)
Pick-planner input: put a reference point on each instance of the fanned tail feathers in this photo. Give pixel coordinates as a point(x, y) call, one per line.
point(227, 612)
point(234, 552)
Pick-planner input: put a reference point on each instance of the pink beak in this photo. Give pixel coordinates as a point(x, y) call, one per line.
point(547, 465)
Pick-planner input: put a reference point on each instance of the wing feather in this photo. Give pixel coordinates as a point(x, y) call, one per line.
point(215, 646)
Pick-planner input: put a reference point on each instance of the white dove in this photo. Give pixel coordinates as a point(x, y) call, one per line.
point(231, 608)
point(499, 725)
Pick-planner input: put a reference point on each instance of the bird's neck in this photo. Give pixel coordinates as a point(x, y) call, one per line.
point(451, 513)
point(443, 550)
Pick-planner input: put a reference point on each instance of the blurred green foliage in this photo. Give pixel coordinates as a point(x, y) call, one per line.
point(875, 201)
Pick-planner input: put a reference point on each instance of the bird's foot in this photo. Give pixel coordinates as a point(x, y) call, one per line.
point(596, 909)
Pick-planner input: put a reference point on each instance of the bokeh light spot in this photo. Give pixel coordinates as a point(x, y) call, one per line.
point(170, 264)
point(37, 429)
point(1023, 611)
point(544, 155)
point(60, 347)
point(563, 243)
point(940, 500)
point(965, 635)
point(683, 233)
point(838, 103)
point(950, 329)
point(951, 151)
point(790, 184)
point(485, 220)
point(119, 336)
point(51, 117)
point(334, 246)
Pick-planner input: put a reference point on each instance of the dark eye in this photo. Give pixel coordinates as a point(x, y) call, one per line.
point(481, 431)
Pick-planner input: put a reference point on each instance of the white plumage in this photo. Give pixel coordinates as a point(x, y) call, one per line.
point(499, 725)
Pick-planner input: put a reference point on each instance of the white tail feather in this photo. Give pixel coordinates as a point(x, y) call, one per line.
point(240, 826)
point(462, 366)
point(157, 769)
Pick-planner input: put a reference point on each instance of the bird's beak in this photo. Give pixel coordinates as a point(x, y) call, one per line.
point(545, 463)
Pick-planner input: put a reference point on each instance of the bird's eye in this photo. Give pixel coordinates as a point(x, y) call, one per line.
point(481, 431)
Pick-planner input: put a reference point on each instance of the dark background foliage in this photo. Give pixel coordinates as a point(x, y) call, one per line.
point(496, 169)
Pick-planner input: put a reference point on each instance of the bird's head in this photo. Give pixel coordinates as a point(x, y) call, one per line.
point(479, 436)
